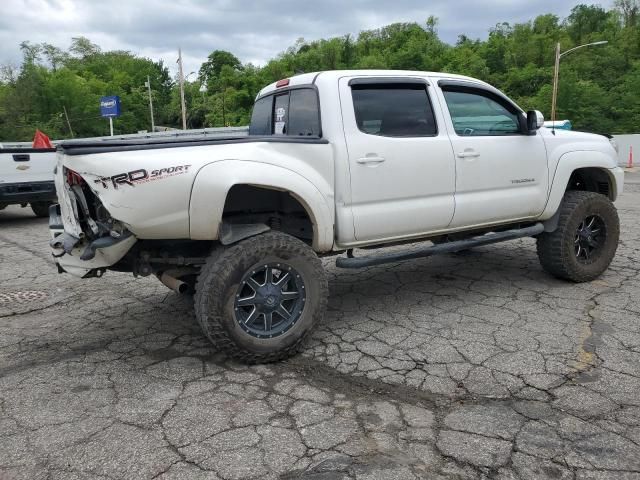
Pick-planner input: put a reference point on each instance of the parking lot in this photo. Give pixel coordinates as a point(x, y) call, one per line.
point(474, 365)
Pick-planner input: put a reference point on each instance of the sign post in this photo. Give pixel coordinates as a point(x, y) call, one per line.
point(110, 107)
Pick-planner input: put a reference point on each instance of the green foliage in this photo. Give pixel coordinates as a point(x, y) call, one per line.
point(51, 80)
point(599, 89)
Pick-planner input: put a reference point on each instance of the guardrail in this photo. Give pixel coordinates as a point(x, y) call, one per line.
point(201, 132)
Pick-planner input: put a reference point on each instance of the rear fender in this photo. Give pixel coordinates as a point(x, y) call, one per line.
point(213, 182)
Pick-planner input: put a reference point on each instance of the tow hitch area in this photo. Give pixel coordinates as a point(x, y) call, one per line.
point(450, 247)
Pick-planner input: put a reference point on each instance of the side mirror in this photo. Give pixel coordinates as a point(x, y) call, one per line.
point(535, 120)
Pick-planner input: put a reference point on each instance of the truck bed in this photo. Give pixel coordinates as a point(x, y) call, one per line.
point(83, 147)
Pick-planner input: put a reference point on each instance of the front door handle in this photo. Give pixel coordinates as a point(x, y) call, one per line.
point(371, 158)
point(468, 153)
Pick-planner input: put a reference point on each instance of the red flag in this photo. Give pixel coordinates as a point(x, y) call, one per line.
point(40, 140)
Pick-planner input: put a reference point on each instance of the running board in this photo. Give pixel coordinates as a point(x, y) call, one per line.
point(449, 247)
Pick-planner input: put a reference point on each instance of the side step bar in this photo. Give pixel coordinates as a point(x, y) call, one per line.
point(449, 247)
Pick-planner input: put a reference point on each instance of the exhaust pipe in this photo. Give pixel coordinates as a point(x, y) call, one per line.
point(173, 283)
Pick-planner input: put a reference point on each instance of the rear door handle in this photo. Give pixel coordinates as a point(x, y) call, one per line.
point(21, 157)
point(370, 159)
point(469, 153)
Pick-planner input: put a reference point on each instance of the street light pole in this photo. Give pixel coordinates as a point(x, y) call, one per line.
point(182, 104)
point(556, 72)
point(148, 85)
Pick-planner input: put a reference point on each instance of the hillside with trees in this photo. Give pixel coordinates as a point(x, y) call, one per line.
point(599, 90)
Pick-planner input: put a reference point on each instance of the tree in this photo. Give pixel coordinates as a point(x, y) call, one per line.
point(432, 25)
point(30, 52)
point(210, 70)
point(83, 47)
point(630, 10)
point(584, 21)
point(54, 55)
point(599, 88)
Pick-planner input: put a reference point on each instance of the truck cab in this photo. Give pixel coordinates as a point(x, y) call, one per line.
point(426, 153)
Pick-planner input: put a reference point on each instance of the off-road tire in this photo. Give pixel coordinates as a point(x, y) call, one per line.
point(218, 284)
point(556, 250)
point(41, 209)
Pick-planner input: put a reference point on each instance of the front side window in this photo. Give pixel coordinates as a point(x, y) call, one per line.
point(393, 110)
point(477, 114)
point(292, 112)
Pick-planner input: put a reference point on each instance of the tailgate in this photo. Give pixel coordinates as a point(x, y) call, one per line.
point(22, 165)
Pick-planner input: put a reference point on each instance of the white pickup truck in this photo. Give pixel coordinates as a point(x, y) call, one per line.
point(26, 178)
point(334, 161)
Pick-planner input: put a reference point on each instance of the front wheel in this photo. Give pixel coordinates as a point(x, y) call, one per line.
point(259, 299)
point(586, 239)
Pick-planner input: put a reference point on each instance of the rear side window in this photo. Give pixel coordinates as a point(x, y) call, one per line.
point(304, 113)
point(394, 110)
point(292, 113)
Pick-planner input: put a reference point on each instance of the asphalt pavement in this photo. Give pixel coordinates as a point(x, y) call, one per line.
point(466, 366)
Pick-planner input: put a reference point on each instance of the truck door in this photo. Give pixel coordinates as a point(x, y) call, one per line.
point(501, 172)
point(401, 164)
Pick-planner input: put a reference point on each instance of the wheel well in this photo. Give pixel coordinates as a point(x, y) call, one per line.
point(280, 210)
point(592, 180)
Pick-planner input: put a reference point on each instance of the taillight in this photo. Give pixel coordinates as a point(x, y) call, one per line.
point(73, 178)
point(282, 83)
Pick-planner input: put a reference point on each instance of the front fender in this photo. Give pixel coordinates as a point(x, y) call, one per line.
point(572, 161)
point(213, 182)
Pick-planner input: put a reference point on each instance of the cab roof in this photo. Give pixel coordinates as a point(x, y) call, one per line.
point(313, 77)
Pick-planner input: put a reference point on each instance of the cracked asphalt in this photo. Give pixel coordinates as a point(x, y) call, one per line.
point(468, 366)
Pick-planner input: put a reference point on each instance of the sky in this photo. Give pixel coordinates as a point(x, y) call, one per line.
point(254, 31)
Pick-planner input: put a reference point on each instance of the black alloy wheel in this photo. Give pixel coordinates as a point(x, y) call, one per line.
point(270, 300)
point(591, 235)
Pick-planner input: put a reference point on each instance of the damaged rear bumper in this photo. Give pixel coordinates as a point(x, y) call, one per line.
point(81, 257)
point(83, 242)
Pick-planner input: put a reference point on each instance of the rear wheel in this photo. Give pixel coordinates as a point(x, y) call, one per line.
point(259, 299)
point(41, 209)
point(586, 239)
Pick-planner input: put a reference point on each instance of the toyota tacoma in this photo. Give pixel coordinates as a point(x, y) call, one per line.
point(334, 161)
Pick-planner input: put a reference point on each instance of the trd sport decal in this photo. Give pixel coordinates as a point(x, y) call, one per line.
point(141, 176)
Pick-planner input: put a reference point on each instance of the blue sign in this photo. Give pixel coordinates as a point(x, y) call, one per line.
point(110, 106)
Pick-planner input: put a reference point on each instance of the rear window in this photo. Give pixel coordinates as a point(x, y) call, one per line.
point(294, 113)
point(261, 117)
